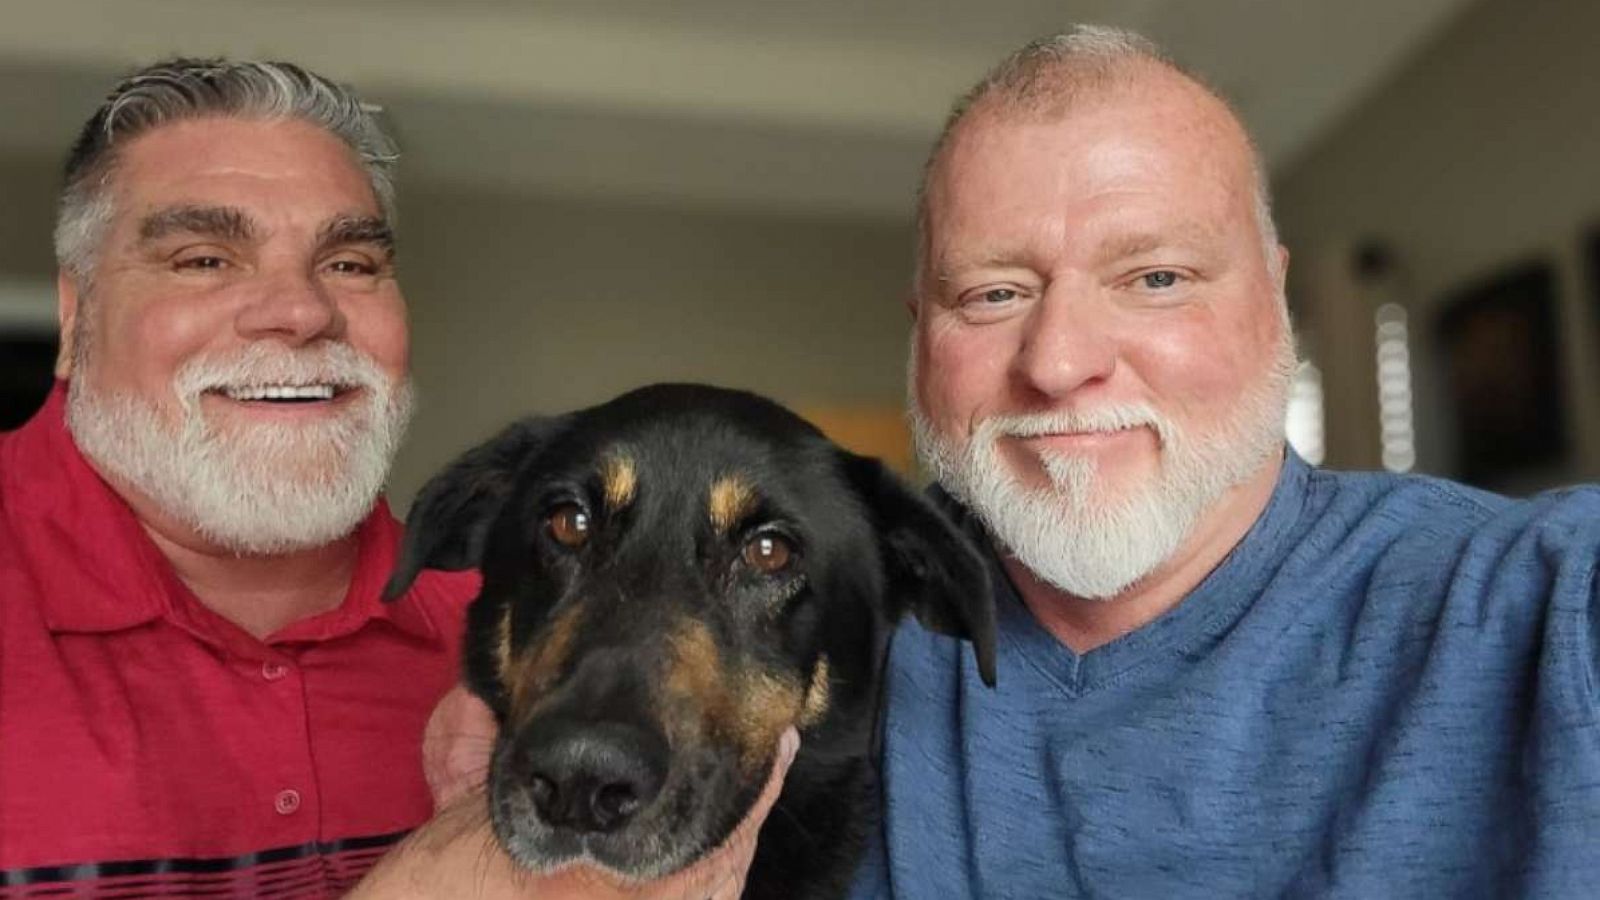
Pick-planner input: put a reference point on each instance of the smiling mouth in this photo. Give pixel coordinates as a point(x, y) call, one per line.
point(282, 393)
point(1074, 442)
point(1098, 434)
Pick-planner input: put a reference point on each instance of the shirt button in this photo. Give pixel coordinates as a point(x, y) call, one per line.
point(286, 802)
point(272, 671)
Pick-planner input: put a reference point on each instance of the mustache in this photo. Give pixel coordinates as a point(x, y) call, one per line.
point(336, 364)
point(1115, 417)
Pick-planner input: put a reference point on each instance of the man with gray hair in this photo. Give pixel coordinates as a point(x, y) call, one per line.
point(199, 688)
point(1222, 673)
point(201, 692)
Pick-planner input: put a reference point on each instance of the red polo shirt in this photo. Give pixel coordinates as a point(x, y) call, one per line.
point(149, 747)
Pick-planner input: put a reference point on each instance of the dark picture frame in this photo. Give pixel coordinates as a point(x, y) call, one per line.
point(1591, 253)
point(1500, 356)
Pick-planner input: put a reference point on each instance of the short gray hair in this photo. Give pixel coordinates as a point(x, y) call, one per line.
point(1047, 75)
point(183, 89)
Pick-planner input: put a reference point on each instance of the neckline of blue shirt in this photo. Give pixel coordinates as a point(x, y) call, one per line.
point(1212, 607)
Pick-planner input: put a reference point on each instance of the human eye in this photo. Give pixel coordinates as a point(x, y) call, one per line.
point(1161, 279)
point(1160, 284)
point(991, 302)
point(200, 261)
point(354, 264)
point(352, 267)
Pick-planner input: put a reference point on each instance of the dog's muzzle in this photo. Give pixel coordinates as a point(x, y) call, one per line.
point(589, 777)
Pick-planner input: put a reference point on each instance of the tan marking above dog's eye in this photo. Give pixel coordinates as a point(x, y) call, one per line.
point(731, 499)
point(569, 525)
point(621, 480)
point(768, 552)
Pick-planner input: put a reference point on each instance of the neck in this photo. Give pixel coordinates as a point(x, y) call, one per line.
point(1083, 624)
point(260, 594)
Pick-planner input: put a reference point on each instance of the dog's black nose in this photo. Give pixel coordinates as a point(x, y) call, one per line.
point(592, 778)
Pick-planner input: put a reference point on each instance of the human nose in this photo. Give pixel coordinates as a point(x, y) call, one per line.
point(1068, 345)
point(292, 307)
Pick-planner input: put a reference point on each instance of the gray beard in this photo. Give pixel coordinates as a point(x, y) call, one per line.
point(260, 489)
point(1075, 534)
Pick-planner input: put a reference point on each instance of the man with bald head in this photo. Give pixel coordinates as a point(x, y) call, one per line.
point(1221, 672)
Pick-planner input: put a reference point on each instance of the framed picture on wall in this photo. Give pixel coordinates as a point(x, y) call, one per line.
point(1501, 361)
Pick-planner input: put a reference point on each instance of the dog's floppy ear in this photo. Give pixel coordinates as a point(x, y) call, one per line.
point(450, 518)
point(934, 571)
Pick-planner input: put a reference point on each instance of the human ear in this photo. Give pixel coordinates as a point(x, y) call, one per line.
point(67, 317)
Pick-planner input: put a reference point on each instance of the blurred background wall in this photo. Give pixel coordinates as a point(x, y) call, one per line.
point(601, 193)
point(1467, 191)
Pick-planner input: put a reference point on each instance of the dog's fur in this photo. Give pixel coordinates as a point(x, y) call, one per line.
point(643, 671)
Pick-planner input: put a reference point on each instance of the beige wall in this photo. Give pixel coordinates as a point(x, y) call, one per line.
point(27, 209)
point(1483, 151)
point(533, 304)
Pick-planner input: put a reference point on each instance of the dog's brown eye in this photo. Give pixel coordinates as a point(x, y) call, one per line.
point(768, 553)
point(569, 525)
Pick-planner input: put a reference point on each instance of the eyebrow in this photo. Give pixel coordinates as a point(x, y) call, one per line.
point(1193, 235)
point(963, 262)
point(222, 222)
point(344, 230)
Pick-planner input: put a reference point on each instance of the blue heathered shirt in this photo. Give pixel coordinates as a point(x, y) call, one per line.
point(1388, 689)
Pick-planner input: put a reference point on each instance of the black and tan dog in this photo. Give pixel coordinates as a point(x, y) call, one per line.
point(670, 580)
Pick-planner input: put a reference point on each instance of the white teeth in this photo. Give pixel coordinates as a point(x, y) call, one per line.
point(281, 392)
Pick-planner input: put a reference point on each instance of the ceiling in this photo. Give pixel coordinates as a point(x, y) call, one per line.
point(818, 108)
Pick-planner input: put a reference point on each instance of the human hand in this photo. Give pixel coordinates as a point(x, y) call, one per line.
point(456, 854)
point(456, 745)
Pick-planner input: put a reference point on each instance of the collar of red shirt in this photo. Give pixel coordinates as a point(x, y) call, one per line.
point(97, 569)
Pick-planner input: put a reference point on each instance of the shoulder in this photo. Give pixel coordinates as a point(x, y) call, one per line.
point(1428, 550)
point(439, 597)
point(1405, 500)
point(1437, 520)
point(451, 591)
point(382, 537)
point(443, 598)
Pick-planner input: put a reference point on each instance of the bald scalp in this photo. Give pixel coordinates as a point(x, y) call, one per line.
point(1049, 78)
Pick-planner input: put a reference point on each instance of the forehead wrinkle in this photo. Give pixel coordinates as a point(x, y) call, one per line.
point(619, 479)
point(731, 498)
point(223, 222)
point(1028, 241)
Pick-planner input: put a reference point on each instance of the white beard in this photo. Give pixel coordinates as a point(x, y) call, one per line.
point(1078, 534)
point(254, 489)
